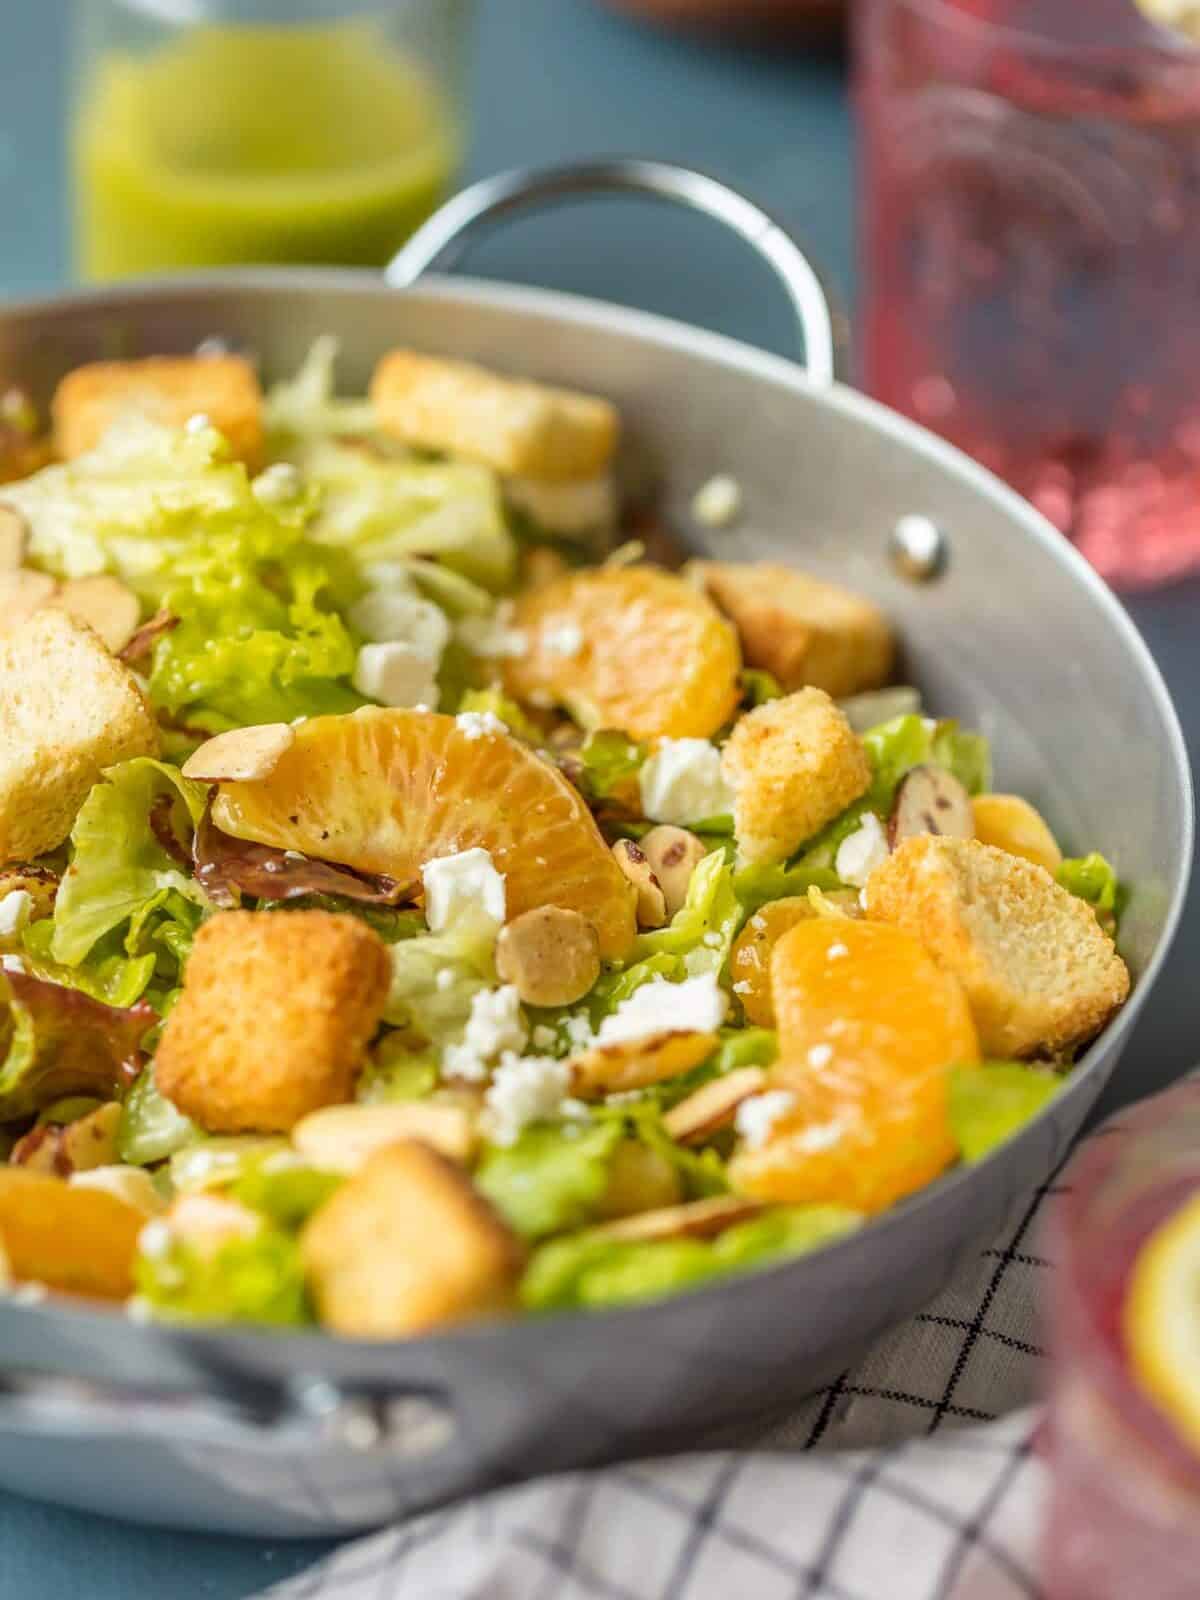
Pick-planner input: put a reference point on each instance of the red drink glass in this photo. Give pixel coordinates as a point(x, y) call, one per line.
point(1030, 236)
point(1124, 1516)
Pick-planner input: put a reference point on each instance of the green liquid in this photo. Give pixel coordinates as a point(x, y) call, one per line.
point(258, 144)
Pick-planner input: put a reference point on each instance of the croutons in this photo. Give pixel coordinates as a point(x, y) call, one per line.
point(276, 1013)
point(164, 389)
point(67, 711)
point(800, 629)
point(793, 765)
point(407, 1244)
point(77, 1239)
point(1039, 972)
point(524, 430)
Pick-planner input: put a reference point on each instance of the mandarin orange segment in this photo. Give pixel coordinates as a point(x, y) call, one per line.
point(631, 648)
point(868, 1026)
point(385, 791)
point(750, 959)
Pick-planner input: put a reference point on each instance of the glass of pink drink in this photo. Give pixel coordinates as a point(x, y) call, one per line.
point(1030, 242)
point(1124, 1515)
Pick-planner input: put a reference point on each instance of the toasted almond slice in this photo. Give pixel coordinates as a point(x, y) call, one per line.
point(104, 603)
point(132, 1185)
point(242, 755)
point(699, 1219)
point(713, 1105)
point(14, 537)
point(23, 592)
point(636, 1063)
point(343, 1138)
point(930, 800)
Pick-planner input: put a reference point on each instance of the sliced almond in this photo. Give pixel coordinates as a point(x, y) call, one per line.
point(242, 755)
point(673, 854)
point(713, 1106)
point(14, 538)
point(651, 902)
point(551, 954)
point(22, 592)
point(930, 800)
point(132, 1185)
point(105, 604)
point(636, 1063)
point(700, 1219)
point(342, 1138)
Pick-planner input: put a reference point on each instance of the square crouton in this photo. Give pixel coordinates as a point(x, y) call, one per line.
point(408, 1244)
point(68, 709)
point(276, 1013)
point(793, 765)
point(800, 629)
point(520, 429)
point(1039, 972)
point(164, 389)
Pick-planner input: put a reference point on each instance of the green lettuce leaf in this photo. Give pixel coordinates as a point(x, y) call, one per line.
point(107, 973)
point(307, 405)
point(507, 710)
point(386, 510)
point(895, 747)
point(758, 687)
point(259, 1280)
point(1093, 879)
point(607, 760)
point(121, 877)
point(702, 931)
point(990, 1103)
point(397, 1072)
point(436, 976)
point(755, 886)
point(554, 1177)
point(283, 1190)
point(56, 1041)
point(151, 1127)
point(592, 1270)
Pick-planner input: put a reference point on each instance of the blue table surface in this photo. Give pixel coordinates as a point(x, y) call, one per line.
point(554, 79)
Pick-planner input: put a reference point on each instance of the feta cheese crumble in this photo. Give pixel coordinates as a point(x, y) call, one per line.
point(396, 675)
point(278, 484)
point(862, 851)
point(464, 883)
point(474, 724)
point(755, 1117)
point(717, 502)
point(697, 1005)
point(526, 1089)
point(682, 783)
point(492, 637)
point(14, 912)
point(494, 1029)
point(396, 616)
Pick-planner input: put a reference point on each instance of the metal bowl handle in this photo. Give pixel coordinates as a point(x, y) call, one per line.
point(441, 241)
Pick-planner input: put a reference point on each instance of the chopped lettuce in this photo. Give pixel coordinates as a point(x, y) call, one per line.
point(1093, 879)
point(151, 1127)
point(259, 1279)
point(397, 1072)
point(702, 931)
point(121, 874)
point(608, 761)
point(307, 405)
point(745, 1047)
point(284, 1190)
point(508, 711)
point(592, 1269)
point(754, 886)
point(895, 747)
point(217, 1162)
point(758, 687)
point(553, 1178)
point(990, 1103)
point(261, 638)
point(107, 973)
point(386, 510)
point(436, 976)
point(56, 1041)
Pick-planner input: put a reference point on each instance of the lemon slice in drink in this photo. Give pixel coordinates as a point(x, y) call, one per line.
point(1162, 1319)
point(1183, 15)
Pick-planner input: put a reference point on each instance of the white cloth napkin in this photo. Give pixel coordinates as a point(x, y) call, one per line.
point(896, 1483)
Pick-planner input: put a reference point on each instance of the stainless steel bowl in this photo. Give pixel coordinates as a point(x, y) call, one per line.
point(1002, 624)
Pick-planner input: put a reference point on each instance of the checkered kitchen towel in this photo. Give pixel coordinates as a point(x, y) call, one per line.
point(912, 1477)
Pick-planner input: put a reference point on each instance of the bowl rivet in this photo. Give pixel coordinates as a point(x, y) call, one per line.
point(918, 548)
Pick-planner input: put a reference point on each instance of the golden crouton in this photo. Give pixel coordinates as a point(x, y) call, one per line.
point(793, 765)
point(276, 1013)
point(68, 709)
point(1039, 972)
point(407, 1244)
point(521, 429)
point(800, 629)
point(80, 1240)
point(164, 389)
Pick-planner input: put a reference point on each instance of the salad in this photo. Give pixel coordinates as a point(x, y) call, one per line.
point(417, 904)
